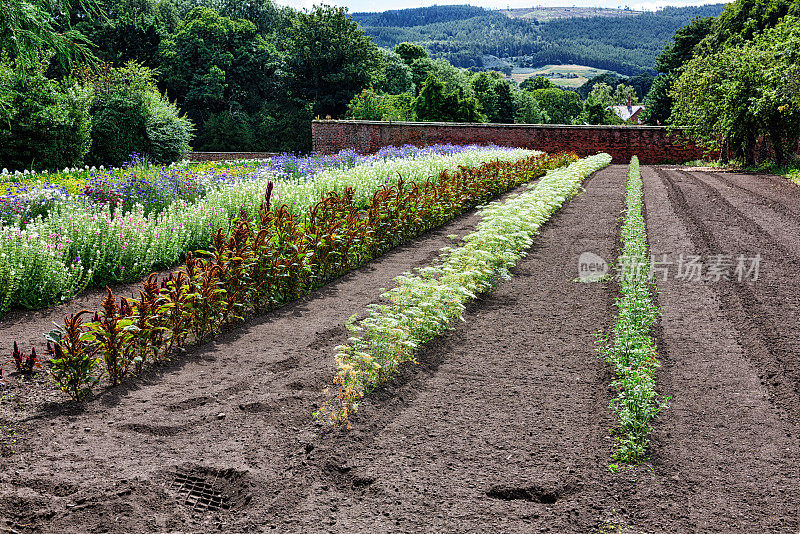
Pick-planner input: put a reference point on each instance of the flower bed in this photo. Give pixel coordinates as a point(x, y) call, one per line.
point(51, 259)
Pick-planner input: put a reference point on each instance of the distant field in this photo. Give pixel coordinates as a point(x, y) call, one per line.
point(582, 73)
point(544, 14)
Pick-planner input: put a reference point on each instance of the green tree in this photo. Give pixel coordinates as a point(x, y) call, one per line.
point(778, 104)
point(268, 17)
point(731, 97)
point(29, 30)
point(601, 93)
point(528, 110)
point(373, 106)
point(330, 59)
point(624, 95)
point(434, 103)
point(742, 20)
point(712, 100)
point(230, 131)
point(609, 78)
point(284, 124)
point(658, 102)
point(594, 112)
point(129, 30)
point(214, 64)
point(536, 82)
point(495, 97)
point(563, 107)
point(410, 52)
point(505, 110)
point(681, 48)
point(483, 87)
point(393, 75)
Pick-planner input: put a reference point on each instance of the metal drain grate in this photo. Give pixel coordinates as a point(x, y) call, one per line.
point(205, 489)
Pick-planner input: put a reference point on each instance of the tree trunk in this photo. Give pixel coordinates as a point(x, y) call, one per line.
point(778, 148)
point(750, 150)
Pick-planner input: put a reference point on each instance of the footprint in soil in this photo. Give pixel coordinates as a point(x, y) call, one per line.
point(545, 492)
point(155, 430)
point(188, 404)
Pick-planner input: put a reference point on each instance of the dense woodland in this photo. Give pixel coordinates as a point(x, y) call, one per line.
point(465, 34)
point(94, 81)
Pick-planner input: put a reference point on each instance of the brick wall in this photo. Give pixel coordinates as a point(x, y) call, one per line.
point(226, 156)
point(651, 143)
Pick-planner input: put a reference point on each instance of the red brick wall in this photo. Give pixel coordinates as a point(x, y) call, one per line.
point(651, 143)
point(225, 156)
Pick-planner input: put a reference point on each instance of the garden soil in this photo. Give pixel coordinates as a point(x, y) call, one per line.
point(503, 424)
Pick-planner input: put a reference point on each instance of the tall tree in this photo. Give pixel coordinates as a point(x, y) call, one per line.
point(681, 47)
point(536, 82)
point(658, 102)
point(734, 95)
point(563, 107)
point(330, 59)
point(214, 64)
point(129, 29)
point(410, 52)
point(434, 103)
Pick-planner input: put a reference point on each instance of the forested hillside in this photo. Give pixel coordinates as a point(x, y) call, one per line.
point(464, 34)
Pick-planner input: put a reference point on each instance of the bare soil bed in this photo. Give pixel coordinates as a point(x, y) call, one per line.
point(503, 425)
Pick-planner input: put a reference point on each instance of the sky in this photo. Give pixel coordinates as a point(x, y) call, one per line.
point(367, 5)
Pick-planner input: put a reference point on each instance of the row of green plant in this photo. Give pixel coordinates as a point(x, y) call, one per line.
point(50, 260)
point(426, 303)
point(631, 349)
point(266, 260)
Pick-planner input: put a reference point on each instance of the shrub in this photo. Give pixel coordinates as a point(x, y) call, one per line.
point(44, 124)
point(131, 116)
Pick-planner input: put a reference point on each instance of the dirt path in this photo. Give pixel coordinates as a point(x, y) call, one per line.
point(725, 455)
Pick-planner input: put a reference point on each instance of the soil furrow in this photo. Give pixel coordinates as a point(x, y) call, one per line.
point(765, 313)
point(724, 454)
point(775, 192)
point(772, 217)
